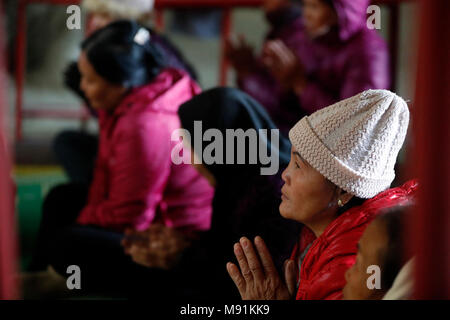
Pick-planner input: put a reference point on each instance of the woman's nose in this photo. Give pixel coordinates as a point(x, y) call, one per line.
point(284, 175)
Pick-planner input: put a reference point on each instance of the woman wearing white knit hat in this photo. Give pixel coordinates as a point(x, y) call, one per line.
point(341, 155)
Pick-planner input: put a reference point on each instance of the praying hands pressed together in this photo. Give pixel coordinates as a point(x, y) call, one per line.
point(257, 278)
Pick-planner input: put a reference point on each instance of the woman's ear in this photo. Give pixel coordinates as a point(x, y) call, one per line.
point(345, 197)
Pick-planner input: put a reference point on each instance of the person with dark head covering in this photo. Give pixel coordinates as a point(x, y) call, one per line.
point(246, 200)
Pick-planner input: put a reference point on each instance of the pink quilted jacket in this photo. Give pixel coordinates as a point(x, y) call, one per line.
point(135, 181)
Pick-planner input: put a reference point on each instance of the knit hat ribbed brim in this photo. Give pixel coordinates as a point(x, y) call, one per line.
point(354, 143)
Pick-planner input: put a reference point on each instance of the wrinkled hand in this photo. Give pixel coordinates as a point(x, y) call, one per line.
point(240, 55)
point(258, 278)
point(284, 65)
point(158, 246)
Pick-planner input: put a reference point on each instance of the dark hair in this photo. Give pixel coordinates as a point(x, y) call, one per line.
point(396, 254)
point(121, 57)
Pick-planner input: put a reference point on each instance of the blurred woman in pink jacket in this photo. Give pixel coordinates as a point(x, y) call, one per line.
point(135, 182)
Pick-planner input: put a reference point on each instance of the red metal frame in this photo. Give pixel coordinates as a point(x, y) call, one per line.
point(431, 232)
point(393, 40)
point(8, 245)
point(160, 5)
point(20, 66)
point(225, 34)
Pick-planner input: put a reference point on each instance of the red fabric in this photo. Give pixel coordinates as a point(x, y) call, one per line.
point(430, 152)
point(135, 180)
point(322, 274)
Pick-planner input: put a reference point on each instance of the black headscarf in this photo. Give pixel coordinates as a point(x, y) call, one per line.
point(227, 108)
point(245, 202)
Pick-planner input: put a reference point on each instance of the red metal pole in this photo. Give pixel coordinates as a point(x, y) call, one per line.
point(393, 41)
point(20, 64)
point(8, 247)
point(224, 35)
point(159, 20)
point(431, 233)
point(207, 3)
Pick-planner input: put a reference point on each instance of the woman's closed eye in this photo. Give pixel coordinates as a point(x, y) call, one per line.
point(297, 159)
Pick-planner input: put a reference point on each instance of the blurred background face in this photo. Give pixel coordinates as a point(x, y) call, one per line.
point(102, 94)
point(318, 15)
point(371, 247)
point(306, 193)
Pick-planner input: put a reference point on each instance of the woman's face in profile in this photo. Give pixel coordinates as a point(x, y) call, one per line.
point(371, 248)
point(306, 193)
point(102, 94)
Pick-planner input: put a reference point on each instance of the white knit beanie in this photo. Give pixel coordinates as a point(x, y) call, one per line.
point(121, 9)
point(354, 143)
